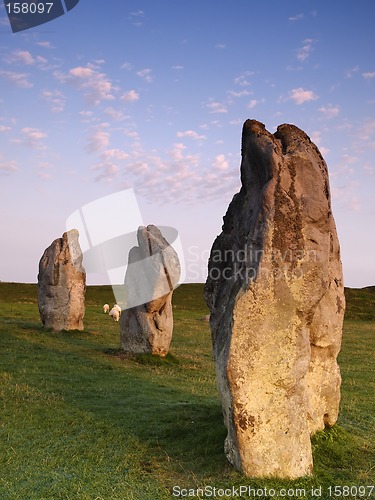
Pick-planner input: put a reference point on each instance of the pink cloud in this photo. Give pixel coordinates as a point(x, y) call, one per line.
point(96, 86)
point(34, 137)
point(300, 95)
point(18, 79)
point(7, 167)
point(217, 107)
point(23, 56)
point(369, 75)
point(98, 140)
point(304, 52)
point(330, 111)
point(130, 96)
point(146, 75)
point(220, 162)
point(55, 99)
point(190, 134)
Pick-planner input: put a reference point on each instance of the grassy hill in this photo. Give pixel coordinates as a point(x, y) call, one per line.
point(360, 303)
point(80, 421)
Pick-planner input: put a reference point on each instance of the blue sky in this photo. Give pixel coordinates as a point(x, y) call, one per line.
point(152, 95)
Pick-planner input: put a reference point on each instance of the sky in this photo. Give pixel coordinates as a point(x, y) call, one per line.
point(152, 95)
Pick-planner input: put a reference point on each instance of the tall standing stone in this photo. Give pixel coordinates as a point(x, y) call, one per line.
point(276, 297)
point(152, 274)
point(62, 284)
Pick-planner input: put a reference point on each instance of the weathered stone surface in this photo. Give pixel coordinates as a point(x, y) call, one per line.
point(62, 284)
point(153, 273)
point(276, 297)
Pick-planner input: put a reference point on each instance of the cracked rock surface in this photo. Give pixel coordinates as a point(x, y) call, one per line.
point(276, 297)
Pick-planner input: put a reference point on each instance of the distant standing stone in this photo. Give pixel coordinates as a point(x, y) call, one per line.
point(276, 296)
point(62, 284)
point(153, 273)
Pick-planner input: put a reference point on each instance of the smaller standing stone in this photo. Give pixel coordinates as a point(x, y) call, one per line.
point(153, 273)
point(62, 284)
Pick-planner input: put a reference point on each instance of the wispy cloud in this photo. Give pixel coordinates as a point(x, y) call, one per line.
point(33, 137)
point(368, 128)
point(126, 65)
point(109, 164)
point(297, 17)
point(115, 114)
point(347, 160)
point(304, 52)
point(108, 171)
point(133, 134)
point(136, 17)
point(220, 162)
point(301, 95)
point(55, 99)
point(172, 175)
point(115, 154)
point(191, 134)
point(220, 46)
point(96, 86)
point(22, 56)
point(254, 102)
point(366, 136)
point(350, 72)
point(45, 44)
point(18, 79)
point(25, 58)
point(137, 13)
point(216, 107)
point(243, 80)
point(98, 138)
point(343, 195)
point(88, 116)
point(130, 96)
point(369, 75)
point(240, 93)
point(44, 170)
point(146, 75)
point(369, 168)
point(177, 151)
point(7, 166)
point(330, 111)
point(316, 138)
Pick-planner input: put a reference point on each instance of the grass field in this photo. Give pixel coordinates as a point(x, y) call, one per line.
point(80, 421)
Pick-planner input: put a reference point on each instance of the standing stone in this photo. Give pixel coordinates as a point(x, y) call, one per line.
point(276, 297)
point(62, 284)
point(152, 274)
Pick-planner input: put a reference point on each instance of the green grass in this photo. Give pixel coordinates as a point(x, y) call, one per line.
point(78, 420)
point(360, 303)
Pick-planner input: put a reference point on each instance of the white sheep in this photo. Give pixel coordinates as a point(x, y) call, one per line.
point(115, 314)
point(116, 306)
point(106, 308)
